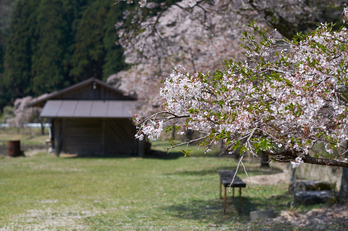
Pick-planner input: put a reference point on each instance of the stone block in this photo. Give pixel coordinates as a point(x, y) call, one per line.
point(313, 197)
point(254, 215)
point(311, 185)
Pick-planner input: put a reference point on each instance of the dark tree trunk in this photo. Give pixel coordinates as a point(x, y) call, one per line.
point(223, 149)
point(173, 133)
point(236, 154)
point(264, 160)
point(343, 196)
point(189, 135)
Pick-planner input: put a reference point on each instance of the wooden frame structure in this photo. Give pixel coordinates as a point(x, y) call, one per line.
point(91, 118)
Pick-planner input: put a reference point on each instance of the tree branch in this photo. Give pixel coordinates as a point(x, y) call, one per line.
point(287, 156)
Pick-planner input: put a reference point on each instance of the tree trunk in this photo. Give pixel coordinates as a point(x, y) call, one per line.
point(236, 154)
point(264, 160)
point(343, 196)
point(189, 135)
point(223, 150)
point(344, 187)
point(173, 132)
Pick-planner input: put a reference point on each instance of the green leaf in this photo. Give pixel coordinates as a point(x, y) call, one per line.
point(169, 128)
point(186, 153)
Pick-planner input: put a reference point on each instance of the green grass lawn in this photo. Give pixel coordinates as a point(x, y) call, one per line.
point(161, 192)
point(43, 192)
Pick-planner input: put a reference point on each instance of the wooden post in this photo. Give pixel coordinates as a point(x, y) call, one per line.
point(220, 190)
point(240, 201)
point(103, 137)
point(57, 128)
point(225, 202)
point(62, 144)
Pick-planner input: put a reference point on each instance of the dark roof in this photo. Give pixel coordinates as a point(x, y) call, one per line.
point(56, 95)
point(89, 108)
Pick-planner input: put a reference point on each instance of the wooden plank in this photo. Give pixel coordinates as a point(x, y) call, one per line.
point(119, 136)
point(82, 136)
point(56, 137)
point(87, 92)
point(103, 136)
point(96, 136)
point(226, 177)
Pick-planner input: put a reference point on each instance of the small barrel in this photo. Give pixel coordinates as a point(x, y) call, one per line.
point(14, 148)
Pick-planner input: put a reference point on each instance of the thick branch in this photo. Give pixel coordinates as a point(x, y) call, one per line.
point(312, 160)
point(287, 156)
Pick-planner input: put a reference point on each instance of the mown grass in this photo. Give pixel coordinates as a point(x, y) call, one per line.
point(158, 192)
point(161, 191)
point(125, 193)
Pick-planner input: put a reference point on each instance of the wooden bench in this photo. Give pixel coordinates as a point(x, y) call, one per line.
point(226, 177)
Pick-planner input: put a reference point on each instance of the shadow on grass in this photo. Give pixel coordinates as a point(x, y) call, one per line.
point(211, 211)
point(201, 172)
point(152, 155)
point(252, 171)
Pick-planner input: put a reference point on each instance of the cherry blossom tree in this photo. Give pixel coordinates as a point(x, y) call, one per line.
point(199, 35)
point(198, 38)
point(285, 98)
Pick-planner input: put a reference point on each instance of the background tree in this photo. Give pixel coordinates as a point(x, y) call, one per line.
point(16, 79)
point(53, 44)
point(95, 52)
point(54, 37)
point(6, 10)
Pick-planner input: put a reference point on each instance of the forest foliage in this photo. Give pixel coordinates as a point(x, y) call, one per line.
point(48, 45)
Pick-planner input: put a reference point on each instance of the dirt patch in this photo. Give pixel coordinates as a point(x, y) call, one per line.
point(327, 218)
point(273, 179)
point(33, 152)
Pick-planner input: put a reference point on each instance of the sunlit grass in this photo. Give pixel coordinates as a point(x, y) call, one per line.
point(194, 150)
point(123, 193)
point(167, 191)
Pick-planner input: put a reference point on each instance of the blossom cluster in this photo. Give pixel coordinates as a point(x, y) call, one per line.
point(297, 162)
point(281, 99)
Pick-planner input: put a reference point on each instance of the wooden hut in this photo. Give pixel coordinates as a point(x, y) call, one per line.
point(91, 118)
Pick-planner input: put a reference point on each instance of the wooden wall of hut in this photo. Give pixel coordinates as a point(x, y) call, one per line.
point(95, 136)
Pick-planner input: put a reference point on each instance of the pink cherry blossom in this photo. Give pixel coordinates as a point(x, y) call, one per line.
point(283, 100)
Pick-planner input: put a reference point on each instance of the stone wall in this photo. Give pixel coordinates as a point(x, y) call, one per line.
point(314, 172)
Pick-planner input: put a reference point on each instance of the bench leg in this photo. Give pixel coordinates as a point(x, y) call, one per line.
point(240, 201)
point(225, 201)
point(220, 190)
